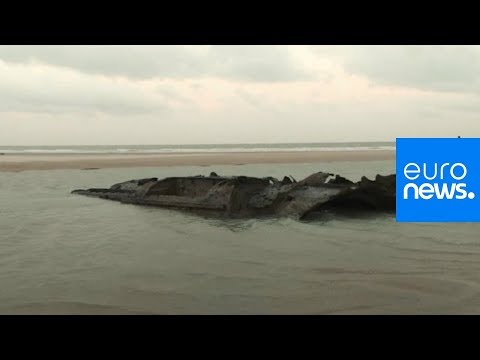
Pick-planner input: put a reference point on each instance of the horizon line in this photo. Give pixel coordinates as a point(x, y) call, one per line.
point(204, 144)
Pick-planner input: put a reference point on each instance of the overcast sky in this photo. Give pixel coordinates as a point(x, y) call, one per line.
point(87, 95)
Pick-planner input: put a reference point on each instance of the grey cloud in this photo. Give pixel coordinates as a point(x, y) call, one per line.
point(249, 98)
point(24, 90)
point(137, 62)
point(435, 68)
point(247, 63)
point(466, 105)
point(29, 104)
point(172, 94)
point(54, 103)
point(257, 63)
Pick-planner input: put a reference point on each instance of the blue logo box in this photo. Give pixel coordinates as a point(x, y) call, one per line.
point(438, 179)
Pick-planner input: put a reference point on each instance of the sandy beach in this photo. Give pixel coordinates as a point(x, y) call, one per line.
point(89, 161)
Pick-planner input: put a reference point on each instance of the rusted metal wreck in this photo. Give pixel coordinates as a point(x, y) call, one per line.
point(243, 196)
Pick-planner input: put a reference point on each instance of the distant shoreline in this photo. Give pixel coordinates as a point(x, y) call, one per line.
point(21, 162)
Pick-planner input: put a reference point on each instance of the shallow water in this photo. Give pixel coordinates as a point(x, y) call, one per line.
point(62, 253)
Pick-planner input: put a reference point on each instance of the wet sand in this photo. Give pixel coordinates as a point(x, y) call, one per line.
point(93, 161)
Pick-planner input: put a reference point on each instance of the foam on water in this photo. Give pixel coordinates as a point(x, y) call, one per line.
point(161, 149)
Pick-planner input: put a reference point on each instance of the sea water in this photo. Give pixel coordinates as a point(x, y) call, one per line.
point(68, 254)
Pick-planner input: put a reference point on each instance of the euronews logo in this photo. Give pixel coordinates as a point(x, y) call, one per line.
point(435, 185)
point(438, 180)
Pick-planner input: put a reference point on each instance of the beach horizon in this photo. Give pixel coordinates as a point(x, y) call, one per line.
point(26, 162)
